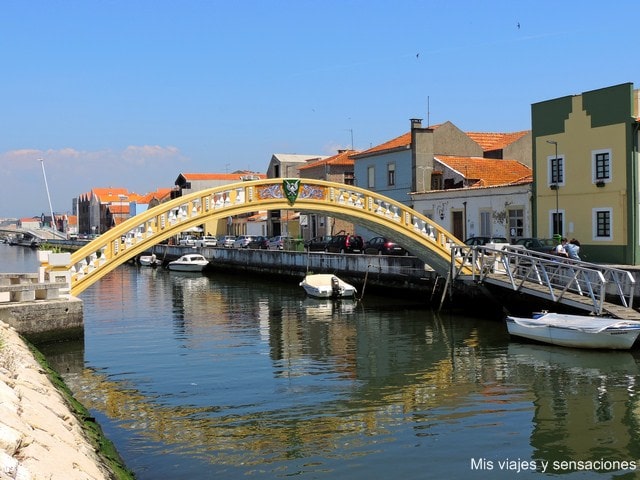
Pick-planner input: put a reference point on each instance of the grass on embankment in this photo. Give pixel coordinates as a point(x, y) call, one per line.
point(102, 445)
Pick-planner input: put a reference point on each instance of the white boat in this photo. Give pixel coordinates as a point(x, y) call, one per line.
point(148, 260)
point(581, 331)
point(326, 285)
point(191, 262)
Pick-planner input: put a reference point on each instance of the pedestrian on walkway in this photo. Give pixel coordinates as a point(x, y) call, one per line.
point(560, 250)
point(573, 249)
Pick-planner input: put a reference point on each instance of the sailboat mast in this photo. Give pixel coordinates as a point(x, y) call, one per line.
point(46, 185)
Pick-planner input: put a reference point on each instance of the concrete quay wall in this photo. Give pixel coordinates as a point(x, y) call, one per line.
point(378, 271)
point(45, 320)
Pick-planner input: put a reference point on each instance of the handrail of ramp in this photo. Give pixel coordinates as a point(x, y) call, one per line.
point(519, 268)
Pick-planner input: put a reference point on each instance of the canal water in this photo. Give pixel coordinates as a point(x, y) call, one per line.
point(227, 377)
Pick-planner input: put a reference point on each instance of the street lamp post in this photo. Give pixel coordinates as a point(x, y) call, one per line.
point(556, 178)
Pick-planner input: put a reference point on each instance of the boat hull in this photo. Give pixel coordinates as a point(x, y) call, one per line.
point(327, 286)
point(615, 338)
point(186, 268)
point(148, 261)
point(188, 263)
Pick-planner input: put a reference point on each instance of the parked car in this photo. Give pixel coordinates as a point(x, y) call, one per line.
point(207, 241)
point(345, 244)
point(473, 241)
point(187, 240)
point(278, 242)
point(259, 243)
point(242, 241)
point(226, 241)
point(317, 244)
point(383, 246)
point(544, 245)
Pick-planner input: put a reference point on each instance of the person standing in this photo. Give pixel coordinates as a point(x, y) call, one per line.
point(560, 250)
point(573, 249)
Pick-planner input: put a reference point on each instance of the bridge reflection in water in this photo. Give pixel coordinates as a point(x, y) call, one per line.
point(226, 377)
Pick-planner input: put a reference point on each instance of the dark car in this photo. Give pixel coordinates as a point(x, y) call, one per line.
point(544, 245)
point(473, 241)
point(345, 244)
point(259, 243)
point(383, 246)
point(317, 244)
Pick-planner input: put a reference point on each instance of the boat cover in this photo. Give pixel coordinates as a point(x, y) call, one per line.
point(583, 323)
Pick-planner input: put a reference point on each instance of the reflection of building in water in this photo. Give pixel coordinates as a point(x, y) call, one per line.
point(370, 379)
point(584, 401)
point(332, 375)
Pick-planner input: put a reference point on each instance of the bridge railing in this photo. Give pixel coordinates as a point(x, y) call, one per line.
point(518, 267)
point(342, 201)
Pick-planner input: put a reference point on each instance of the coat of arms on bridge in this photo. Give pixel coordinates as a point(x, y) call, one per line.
point(291, 187)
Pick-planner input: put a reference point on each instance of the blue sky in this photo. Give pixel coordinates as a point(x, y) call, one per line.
point(130, 93)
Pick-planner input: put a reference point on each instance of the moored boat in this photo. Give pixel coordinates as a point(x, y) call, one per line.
point(148, 260)
point(326, 285)
point(580, 331)
point(191, 262)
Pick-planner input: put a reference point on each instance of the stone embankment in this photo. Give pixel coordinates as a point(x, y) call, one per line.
point(40, 437)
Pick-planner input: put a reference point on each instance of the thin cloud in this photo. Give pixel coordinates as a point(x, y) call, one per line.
point(71, 172)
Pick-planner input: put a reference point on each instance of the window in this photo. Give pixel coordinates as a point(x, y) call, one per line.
point(556, 170)
point(602, 219)
point(371, 177)
point(556, 222)
point(485, 224)
point(391, 174)
point(516, 223)
point(601, 161)
point(349, 178)
point(436, 181)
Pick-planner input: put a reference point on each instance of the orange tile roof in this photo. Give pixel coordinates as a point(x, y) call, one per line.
point(484, 172)
point(159, 194)
point(495, 141)
point(342, 158)
point(119, 209)
point(109, 194)
point(398, 142)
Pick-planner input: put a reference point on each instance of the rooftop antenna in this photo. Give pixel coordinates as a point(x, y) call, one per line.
point(46, 185)
point(428, 113)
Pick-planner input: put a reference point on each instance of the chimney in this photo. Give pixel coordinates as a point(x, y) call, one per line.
point(416, 123)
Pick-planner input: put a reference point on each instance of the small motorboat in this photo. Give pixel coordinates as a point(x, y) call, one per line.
point(191, 262)
point(148, 260)
point(580, 331)
point(326, 285)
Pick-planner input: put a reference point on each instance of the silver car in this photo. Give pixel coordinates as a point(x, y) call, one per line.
point(242, 241)
point(277, 242)
point(227, 241)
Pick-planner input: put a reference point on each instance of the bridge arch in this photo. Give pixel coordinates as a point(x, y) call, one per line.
point(424, 238)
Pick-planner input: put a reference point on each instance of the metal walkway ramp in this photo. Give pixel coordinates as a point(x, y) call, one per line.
point(597, 289)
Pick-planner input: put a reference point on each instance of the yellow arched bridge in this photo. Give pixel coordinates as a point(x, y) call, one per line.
point(424, 238)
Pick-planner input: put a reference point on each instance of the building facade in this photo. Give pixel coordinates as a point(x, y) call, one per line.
point(586, 178)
